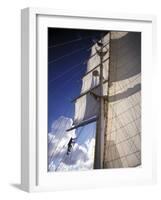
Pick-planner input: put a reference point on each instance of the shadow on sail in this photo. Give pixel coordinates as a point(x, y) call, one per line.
point(125, 94)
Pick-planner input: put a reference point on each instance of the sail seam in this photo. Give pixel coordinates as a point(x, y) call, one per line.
point(126, 155)
point(125, 140)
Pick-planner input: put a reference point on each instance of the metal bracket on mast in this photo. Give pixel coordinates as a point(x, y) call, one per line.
point(101, 54)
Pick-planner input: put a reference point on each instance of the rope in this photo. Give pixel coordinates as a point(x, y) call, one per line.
point(65, 153)
point(69, 54)
point(69, 42)
point(65, 72)
point(55, 150)
point(93, 133)
point(75, 51)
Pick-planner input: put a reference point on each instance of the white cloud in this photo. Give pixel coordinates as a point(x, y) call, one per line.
point(81, 156)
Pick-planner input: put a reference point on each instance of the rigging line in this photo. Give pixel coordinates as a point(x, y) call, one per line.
point(71, 154)
point(59, 153)
point(53, 153)
point(74, 150)
point(74, 67)
point(58, 126)
point(60, 122)
point(82, 128)
point(55, 149)
point(67, 113)
point(51, 158)
point(50, 165)
point(67, 81)
point(62, 157)
point(70, 79)
point(73, 52)
point(65, 154)
point(61, 150)
point(70, 69)
point(69, 54)
point(60, 161)
point(55, 134)
point(69, 42)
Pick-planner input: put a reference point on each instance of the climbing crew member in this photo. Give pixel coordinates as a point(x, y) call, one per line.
point(70, 145)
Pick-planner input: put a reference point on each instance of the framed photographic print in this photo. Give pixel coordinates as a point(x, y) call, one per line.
point(86, 118)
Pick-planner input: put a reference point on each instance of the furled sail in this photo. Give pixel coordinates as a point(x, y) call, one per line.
point(123, 138)
point(86, 106)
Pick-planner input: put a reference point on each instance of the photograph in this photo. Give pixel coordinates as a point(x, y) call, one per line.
point(94, 99)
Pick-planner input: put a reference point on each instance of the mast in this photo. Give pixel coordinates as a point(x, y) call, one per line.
point(99, 146)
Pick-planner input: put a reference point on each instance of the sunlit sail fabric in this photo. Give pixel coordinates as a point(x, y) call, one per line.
point(86, 106)
point(123, 128)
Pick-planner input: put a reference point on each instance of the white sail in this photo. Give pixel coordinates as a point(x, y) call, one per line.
point(123, 135)
point(86, 106)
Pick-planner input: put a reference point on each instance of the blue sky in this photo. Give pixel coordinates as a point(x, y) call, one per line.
point(67, 51)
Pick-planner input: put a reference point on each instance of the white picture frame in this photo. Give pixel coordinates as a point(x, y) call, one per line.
point(34, 176)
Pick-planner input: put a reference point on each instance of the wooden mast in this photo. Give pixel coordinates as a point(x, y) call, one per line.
point(99, 146)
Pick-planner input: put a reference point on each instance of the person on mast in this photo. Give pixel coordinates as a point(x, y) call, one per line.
point(70, 145)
